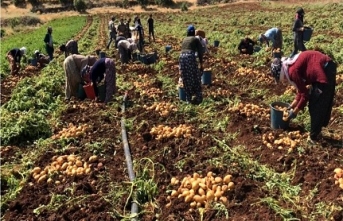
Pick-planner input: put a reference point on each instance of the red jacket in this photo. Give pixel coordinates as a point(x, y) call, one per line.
point(307, 69)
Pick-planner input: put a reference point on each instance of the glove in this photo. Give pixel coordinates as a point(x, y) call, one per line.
point(291, 115)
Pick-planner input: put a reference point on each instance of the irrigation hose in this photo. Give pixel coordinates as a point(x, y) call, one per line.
point(134, 205)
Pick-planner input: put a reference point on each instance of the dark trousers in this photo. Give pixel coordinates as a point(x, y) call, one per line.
point(298, 46)
point(321, 101)
point(112, 38)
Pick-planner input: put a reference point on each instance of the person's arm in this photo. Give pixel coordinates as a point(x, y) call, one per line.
point(298, 26)
point(302, 96)
point(199, 49)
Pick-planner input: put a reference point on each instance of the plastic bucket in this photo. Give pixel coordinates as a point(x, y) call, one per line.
point(81, 94)
point(102, 92)
point(276, 116)
point(168, 48)
point(34, 62)
point(182, 94)
point(151, 58)
point(206, 77)
point(216, 43)
point(307, 33)
point(102, 54)
point(143, 58)
point(89, 91)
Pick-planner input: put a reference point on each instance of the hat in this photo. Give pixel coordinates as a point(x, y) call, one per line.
point(190, 28)
point(36, 51)
point(23, 50)
point(300, 11)
point(276, 69)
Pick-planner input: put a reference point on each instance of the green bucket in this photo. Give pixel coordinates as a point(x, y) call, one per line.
point(102, 92)
point(81, 94)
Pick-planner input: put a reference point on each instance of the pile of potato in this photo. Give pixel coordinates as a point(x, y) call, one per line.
point(219, 92)
point(251, 110)
point(61, 166)
point(290, 139)
point(339, 177)
point(163, 108)
point(199, 191)
point(290, 90)
point(73, 131)
point(167, 132)
point(339, 78)
point(151, 92)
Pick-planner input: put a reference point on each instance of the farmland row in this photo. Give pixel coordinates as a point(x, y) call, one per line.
point(34, 105)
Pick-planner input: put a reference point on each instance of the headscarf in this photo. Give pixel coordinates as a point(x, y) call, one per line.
point(279, 69)
point(190, 30)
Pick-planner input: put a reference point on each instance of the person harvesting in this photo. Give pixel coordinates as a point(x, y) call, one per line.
point(309, 68)
point(190, 73)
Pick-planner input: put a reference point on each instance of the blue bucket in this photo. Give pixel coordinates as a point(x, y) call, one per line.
point(143, 58)
point(216, 43)
point(206, 77)
point(182, 94)
point(307, 33)
point(276, 116)
point(168, 48)
point(151, 58)
point(102, 54)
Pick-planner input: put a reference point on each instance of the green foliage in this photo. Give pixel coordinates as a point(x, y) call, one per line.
point(60, 35)
point(20, 127)
point(80, 5)
point(184, 6)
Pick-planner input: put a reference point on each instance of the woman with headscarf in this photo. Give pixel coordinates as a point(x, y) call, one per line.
point(246, 46)
point(73, 66)
point(298, 29)
point(309, 68)
point(104, 68)
point(190, 73)
point(14, 57)
point(49, 45)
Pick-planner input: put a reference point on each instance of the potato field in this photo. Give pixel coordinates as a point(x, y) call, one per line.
point(219, 160)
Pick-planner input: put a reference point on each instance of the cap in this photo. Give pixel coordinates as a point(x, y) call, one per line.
point(190, 28)
point(23, 50)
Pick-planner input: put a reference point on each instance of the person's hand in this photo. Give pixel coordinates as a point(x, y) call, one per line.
point(244, 50)
point(301, 29)
point(289, 115)
point(201, 68)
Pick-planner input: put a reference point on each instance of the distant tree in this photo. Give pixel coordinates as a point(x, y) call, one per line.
point(34, 2)
point(80, 5)
point(19, 3)
point(142, 2)
point(164, 2)
point(184, 6)
point(65, 2)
